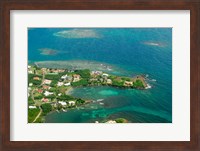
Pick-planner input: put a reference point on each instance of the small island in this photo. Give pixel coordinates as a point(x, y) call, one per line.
point(48, 89)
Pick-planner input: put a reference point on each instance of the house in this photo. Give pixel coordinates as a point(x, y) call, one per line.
point(47, 93)
point(105, 75)
point(59, 94)
point(67, 84)
point(93, 79)
point(71, 103)
point(101, 79)
point(64, 77)
point(57, 70)
point(76, 77)
point(60, 84)
point(62, 103)
point(46, 87)
point(96, 73)
point(44, 69)
point(71, 71)
point(32, 107)
point(45, 100)
point(36, 78)
point(109, 81)
point(29, 67)
point(30, 84)
point(30, 71)
point(128, 83)
point(69, 78)
point(40, 90)
point(47, 81)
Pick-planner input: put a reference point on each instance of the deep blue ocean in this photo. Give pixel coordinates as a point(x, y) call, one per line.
point(130, 51)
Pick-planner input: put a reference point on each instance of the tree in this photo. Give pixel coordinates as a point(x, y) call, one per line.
point(46, 108)
point(65, 97)
point(80, 101)
point(83, 73)
point(138, 84)
point(52, 77)
point(82, 82)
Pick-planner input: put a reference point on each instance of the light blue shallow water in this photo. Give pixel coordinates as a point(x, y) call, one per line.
point(133, 50)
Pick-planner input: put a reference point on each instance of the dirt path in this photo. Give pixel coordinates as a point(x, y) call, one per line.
point(38, 115)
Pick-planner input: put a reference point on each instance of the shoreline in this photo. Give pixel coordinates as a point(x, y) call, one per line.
point(104, 80)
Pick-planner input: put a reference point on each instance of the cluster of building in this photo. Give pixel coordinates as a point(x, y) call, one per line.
point(65, 81)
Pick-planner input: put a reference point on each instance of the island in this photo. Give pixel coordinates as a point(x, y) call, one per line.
point(48, 89)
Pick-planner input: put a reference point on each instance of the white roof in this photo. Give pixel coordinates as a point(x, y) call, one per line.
point(105, 74)
point(62, 103)
point(67, 84)
point(48, 93)
point(32, 107)
point(64, 76)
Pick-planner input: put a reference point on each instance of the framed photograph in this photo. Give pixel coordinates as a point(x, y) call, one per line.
point(92, 75)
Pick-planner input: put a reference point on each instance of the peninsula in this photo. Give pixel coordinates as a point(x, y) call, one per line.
point(48, 88)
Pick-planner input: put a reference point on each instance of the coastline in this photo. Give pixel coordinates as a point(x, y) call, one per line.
point(116, 82)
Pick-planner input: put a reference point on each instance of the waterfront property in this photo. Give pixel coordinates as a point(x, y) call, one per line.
point(52, 89)
point(99, 75)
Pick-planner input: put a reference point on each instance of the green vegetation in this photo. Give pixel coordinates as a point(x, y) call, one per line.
point(50, 96)
point(118, 83)
point(40, 120)
point(30, 101)
point(126, 79)
point(35, 82)
point(37, 90)
point(80, 101)
point(65, 97)
point(82, 82)
point(38, 96)
point(32, 113)
point(46, 108)
point(63, 73)
point(138, 84)
point(83, 73)
point(53, 83)
point(54, 77)
point(121, 120)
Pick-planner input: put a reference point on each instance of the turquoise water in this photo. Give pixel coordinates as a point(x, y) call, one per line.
point(128, 51)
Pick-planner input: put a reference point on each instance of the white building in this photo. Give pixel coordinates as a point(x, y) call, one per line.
point(30, 84)
point(96, 72)
point(71, 103)
point(67, 84)
point(64, 77)
point(76, 77)
point(109, 81)
point(105, 75)
point(32, 107)
point(60, 84)
point(47, 81)
point(47, 93)
point(62, 103)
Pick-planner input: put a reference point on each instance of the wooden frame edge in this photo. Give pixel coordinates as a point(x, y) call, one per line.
point(194, 145)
